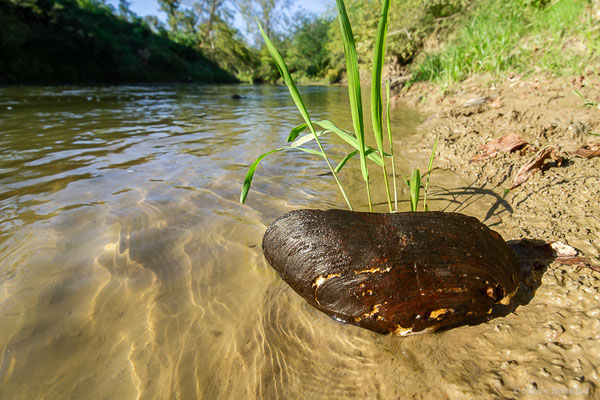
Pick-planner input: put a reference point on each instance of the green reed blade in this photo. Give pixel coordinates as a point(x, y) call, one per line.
point(354, 90)
point(339, 167)
point(389, 129)
point(345, 136)
point(252, 169)
point(415, 187)
point(376, 106)
point(295, 132)
point(309, 151)
point(306, 138)
point(370, 152)
point(350, 139)
point(429, 171)
point(287, 78)
point(250, 175)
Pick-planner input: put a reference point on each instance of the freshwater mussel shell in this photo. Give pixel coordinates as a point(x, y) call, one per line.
point(401, 273)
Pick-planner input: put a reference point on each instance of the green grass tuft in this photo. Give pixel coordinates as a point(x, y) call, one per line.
point(356, 140)
point(509, 36)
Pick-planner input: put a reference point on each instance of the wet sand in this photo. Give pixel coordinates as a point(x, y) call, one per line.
point(550, 346)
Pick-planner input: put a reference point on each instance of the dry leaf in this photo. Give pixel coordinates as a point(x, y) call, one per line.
point(532, 251)
point(506, 143)
point(588, 151)
point(580, 261)
point(496, 103)
point(535, 164)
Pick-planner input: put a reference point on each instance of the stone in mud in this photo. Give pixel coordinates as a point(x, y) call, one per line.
point(401, 273)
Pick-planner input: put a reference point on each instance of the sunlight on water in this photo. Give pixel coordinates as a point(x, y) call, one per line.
point(129, 269)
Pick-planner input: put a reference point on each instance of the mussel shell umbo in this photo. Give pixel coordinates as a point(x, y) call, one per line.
point(404, 273)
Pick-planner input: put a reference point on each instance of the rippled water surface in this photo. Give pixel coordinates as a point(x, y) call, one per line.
point(128, 268)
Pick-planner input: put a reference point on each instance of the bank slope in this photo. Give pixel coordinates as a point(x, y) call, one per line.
point(64, 41)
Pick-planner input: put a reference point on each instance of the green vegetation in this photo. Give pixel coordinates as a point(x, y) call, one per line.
point(376, 107)
point(354, 91)
point(356, 140)
point(431, 158)
point(50, 41)
point(287, 78)
point(414, 183)
point(415, 186)
point(391, 141)
point(442, 41)
point(498, 36)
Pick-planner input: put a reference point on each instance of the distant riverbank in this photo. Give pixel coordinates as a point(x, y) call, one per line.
point(64, 42)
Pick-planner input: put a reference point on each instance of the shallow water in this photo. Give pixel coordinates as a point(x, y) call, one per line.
point(128, 268)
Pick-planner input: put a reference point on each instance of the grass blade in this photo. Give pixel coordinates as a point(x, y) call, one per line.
point(295, 132)
point(306, 138)
point(369, 151)
point(389, 129)
point(345, 160)
point(351, 140)
point(354, 91)
point(429, 171)
point(376, 106)
point(250, 174)
point(287, 78)
point(415, 187)
point(252, 169)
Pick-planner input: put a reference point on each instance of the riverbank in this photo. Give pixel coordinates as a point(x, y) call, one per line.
point(551, 341)
point(68, 42)
point(559, 203)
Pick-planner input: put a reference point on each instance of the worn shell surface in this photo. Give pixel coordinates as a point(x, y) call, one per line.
point(402, 272)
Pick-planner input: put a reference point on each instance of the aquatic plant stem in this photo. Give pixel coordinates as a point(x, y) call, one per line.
point(354, 91)
point(429, 172)
point(312, 128)
point(376, 107)
point(389, 129)
point(369, 197)
point(289, 81)
point(387, 186)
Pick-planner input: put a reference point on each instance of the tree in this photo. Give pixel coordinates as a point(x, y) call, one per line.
point(270, 13)
point(171, 8)
point(307, 53)
point(214, 15)
point(125, 12)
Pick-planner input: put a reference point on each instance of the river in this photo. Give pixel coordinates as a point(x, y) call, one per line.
point(128, 268)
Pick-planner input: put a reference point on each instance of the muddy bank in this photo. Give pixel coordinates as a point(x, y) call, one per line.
point(557, 203)
point(552, 337)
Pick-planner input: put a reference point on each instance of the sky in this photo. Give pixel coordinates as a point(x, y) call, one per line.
point(150, 7)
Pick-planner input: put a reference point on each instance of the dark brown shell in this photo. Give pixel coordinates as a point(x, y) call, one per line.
point(404, 273)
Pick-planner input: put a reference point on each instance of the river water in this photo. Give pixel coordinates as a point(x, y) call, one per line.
point(128, 267)
point(129, 270)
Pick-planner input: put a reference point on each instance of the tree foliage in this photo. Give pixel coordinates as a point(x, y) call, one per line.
point(307, 54)
point(48, 41)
